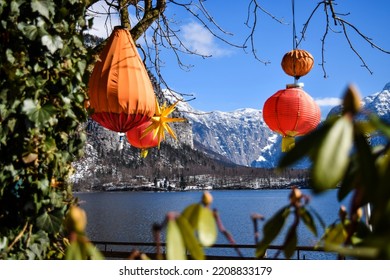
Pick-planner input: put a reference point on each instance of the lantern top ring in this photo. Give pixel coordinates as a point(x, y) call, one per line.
point(295, 85)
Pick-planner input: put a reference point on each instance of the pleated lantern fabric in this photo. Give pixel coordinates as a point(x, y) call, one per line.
point(121, 94)
point(291, 112)
point(134, 136)
point(297, 63)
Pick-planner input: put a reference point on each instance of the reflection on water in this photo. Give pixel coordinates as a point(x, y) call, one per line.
point(129, 216)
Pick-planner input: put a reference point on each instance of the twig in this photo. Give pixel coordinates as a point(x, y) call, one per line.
point(227, 234)
point(18, 237)
point(255, 219)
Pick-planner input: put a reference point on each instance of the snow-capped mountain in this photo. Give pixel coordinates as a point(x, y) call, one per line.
point(240, 136)
point(243, 137)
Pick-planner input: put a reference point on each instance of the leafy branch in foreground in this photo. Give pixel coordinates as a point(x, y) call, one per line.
point(343, 158)
point(190, 231)
point(298, 209)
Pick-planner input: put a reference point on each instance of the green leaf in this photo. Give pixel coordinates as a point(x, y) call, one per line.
point(175, 245)
point(271, 230)
point(305, 146)
point(50, 222)
point(190, 241)
point(367, 169)
point(191, 213)
point(53, 43)
point(332, 158)
point(380, 125)
point(335, 234)
point(37, 113)
point(308, 220)
point(30, 31)
point(43, 185)
point(43, 7)
point(92, 253)
point(207, 228)
point(74, 252)
point(10, 56)
point(290, 243)
point(82, 64)
point(202, 220)
point(349, 180)
point(357, 252)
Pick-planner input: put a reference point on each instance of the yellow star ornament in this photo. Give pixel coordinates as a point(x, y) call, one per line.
point(160, 122)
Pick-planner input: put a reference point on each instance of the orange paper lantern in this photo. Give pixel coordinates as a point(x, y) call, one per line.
point(297, 63)
point(137, 139)
point(121, 95)
point(291, 112)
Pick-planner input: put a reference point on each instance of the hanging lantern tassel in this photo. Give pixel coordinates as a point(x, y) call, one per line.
point(144, 153)
point(288, 142)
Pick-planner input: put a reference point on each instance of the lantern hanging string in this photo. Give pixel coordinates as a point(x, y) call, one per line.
point(295, 39)
point(294, 28)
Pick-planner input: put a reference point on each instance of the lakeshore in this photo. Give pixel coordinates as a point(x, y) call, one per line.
point(197, 183)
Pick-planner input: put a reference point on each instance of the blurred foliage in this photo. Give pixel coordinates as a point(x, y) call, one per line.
point(42, 91)
point(190, 231)
point(343, 158)
point(299, 210)
point(78, 245)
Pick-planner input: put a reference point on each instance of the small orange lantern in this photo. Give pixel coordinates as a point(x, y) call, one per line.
point(297, 63)
point(138, 139)
point(121, 95)
point(291, 112)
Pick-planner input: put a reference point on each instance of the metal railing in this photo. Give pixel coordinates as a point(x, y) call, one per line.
point(122, 250)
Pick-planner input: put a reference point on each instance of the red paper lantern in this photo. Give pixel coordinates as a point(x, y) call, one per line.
point(134, 136)
point(121, 95)
point(291, 112)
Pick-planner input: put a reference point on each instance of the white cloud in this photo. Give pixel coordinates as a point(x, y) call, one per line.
point(102, 23)
point(328, 101)
point(198, 39)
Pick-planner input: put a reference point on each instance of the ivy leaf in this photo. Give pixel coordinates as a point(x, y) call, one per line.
point(30, 31)
point(37, 113)
point(53, 43)
point(333, 155)
point(175, 245)
point(10, 56)
point(50, 222)
point(43, 7)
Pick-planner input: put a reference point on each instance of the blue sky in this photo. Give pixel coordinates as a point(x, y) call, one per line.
point(232, 78)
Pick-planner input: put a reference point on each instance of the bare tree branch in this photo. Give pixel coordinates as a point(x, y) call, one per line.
point(253, 8)
point(338, 20)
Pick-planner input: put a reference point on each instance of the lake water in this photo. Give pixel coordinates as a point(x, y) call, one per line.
point(129, 216)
